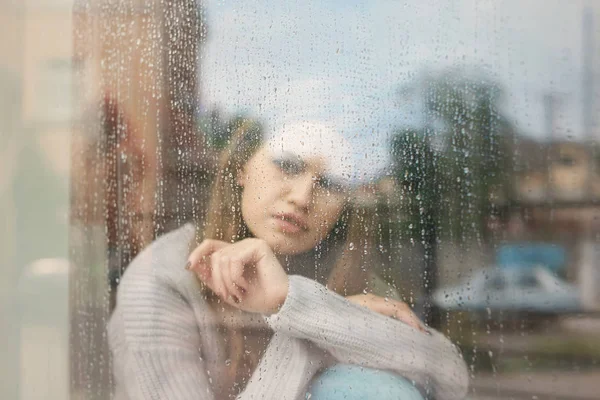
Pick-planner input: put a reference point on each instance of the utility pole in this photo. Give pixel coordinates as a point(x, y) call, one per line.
point(589, 268)
point(550, 106)
point(587, 82)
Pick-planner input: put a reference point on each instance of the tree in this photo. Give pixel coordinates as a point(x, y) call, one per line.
point(218, 129)
point(460, 155)
point(417, 168)
point(450, 165)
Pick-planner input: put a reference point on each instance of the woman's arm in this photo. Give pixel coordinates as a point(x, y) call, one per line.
point(156, 342)
point(247, 275)
point(285, 369)
point(356, 335)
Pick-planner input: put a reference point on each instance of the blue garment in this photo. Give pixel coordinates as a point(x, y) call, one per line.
point(350, 382)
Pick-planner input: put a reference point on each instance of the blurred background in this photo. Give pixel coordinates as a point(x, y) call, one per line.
point(479, 121)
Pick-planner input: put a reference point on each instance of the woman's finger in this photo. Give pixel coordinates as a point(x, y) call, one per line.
point(217, 276)
point(199, 256)
point(236, 270)
point(230, 289)
point(402, 312)
point(390, 308)
point(395, 309)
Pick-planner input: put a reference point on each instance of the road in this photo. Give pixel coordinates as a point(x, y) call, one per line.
point(556, 385)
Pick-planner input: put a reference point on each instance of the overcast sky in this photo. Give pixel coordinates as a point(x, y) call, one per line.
point(343, 61)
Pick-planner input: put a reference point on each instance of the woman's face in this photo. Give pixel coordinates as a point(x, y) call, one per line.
point(289, 202)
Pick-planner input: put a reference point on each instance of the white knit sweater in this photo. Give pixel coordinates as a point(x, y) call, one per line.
point(163, 337)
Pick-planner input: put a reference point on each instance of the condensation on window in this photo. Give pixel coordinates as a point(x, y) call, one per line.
point(401, 194)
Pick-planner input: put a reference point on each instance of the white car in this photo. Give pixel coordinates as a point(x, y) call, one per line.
point(533, 289)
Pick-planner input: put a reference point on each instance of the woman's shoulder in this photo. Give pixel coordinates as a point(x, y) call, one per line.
point(159, 302)
point(164, 259)
point(176, 241)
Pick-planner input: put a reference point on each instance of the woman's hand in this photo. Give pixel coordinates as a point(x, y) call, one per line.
point(388, 307)
point(245, 274)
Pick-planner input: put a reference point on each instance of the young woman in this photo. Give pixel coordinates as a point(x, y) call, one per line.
point(274, 302)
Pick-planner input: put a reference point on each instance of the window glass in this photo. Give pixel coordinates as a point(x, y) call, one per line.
point(216, 199)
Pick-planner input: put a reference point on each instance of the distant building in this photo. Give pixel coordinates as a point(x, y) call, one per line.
point(559, 173)
point(138, 160)
point(557, 199)
point(140, 165)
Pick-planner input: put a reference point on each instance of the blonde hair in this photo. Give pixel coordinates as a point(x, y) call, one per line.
point(357, 229)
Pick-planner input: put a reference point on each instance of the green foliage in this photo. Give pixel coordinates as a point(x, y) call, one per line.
point(416, 169)
point(218, 130)
point(451, 166)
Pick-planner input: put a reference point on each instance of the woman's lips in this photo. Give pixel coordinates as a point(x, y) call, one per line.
point(290, 223)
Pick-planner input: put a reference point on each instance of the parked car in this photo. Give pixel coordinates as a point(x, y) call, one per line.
point(534, 289)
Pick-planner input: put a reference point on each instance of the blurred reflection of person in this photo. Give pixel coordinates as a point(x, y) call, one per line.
point(274, 300)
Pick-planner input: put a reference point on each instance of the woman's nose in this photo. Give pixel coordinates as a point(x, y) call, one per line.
point(301, 191)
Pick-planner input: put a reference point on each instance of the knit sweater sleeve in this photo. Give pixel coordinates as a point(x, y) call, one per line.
point(156, 344)
point(285, 370)
point(356, 335)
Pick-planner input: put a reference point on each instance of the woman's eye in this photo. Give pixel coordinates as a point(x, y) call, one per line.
point(329, 185)
point(290, 167)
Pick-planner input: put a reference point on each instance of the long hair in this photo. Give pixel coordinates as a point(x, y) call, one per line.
point(348, 247)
